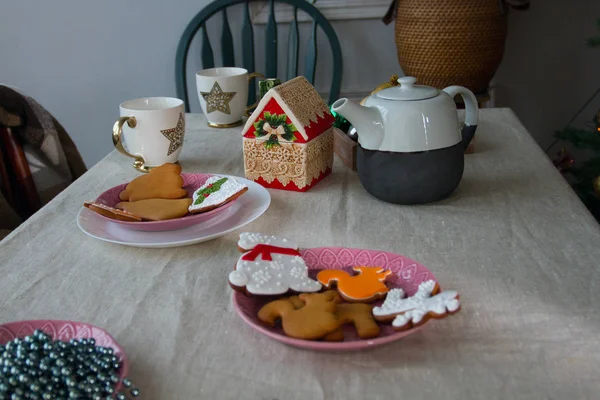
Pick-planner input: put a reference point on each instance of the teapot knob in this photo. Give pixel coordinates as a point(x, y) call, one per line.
point(407, 82)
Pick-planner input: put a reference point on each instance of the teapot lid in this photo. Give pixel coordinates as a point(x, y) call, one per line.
point(407, 90)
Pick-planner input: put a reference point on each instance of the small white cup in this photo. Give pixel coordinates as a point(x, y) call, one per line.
point(152, 129)
point(223, 95)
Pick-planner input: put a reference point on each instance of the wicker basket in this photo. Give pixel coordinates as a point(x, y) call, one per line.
point(451, 42)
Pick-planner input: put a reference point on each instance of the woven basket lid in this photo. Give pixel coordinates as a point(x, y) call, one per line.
point(407, 90)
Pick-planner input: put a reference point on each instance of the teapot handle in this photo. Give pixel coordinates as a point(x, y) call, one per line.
point(472, 112)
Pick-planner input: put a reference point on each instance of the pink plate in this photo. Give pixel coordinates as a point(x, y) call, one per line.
point(65, 330)
point(406, 274)
point(191, 182)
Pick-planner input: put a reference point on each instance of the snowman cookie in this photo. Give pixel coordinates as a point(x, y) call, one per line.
point(270, 265)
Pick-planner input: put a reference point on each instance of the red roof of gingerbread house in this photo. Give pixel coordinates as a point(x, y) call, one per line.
point(302, 105)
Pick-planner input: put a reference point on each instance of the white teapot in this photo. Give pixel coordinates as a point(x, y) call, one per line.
point(410, 141)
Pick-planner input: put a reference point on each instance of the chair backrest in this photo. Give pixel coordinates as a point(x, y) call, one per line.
point(16, 181)
point(247, 33)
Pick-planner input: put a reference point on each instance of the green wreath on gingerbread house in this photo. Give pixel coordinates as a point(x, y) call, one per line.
point(275, 127)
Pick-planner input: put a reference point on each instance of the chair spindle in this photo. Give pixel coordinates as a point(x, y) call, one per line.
point(227, 42)
point(208, 60)
point(311, 55)
point(292, 61)
point(248, 51)
point(271, 43)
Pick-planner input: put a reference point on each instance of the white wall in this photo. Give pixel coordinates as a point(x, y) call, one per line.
point(80, 59)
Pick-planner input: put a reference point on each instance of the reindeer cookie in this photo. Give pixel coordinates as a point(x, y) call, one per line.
point(314, 320)
point(269, 269)
point(367, 286)
point(427, 303)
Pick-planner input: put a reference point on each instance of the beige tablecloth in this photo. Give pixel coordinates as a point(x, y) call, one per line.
point(514, 240)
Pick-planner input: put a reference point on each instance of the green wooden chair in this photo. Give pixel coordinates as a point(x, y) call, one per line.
point(270, 71)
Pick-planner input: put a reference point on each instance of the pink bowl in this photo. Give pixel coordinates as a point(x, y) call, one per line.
point(65, 330)
point(406, 274)
point(191, 182)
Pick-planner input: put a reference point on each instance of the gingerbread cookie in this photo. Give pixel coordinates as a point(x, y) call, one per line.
point(216, 192)
point(367, 286)
point(111, 212)
point(313, 321)
point(416, 310)
point(250, 239)
point(271, 270)
point(164, 182)
point(359, 314)
point(157, 209)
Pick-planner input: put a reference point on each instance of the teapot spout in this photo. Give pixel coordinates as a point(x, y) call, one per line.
point(368, 122)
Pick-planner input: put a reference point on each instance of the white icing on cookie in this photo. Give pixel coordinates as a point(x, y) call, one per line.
point(228, 189)
point(414, 309)
point(250, 239)
point(237, 278)
point(278, 276)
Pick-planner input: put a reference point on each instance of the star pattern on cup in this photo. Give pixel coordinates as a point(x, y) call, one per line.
point(217, 99)
point(175, 135)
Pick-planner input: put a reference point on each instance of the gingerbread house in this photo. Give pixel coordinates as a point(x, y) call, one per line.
point(288, 139)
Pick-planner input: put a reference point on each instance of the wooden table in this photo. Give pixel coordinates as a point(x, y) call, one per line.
point(514, 240)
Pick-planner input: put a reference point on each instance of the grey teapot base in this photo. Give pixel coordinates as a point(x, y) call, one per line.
point(410, 178)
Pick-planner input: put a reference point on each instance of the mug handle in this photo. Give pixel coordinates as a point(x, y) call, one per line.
point(253, 106)
point(139, 162)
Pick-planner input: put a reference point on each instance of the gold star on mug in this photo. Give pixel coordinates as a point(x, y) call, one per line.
point(175, 135)
point(217, 99)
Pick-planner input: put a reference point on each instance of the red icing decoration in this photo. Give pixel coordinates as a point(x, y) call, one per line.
point(312, 131)
point(210, 185)
point(265, 251)
point(206, 194)
point(292, 186)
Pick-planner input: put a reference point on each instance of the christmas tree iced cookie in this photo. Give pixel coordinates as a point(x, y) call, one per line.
point(270, 266)
point(216, 191)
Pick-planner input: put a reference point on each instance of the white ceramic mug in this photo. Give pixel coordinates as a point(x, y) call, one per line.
point(152, 129)
point(223, 95)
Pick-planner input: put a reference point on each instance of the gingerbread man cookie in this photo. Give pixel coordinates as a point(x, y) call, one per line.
point(267, 269)
point(427, 303)
point(367, 286)
point(164, 182)
point(314, 320)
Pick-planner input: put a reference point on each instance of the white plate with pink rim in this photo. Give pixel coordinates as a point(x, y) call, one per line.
point(246, 209)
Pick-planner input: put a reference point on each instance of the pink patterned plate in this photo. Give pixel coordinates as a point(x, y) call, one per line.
point(65, 330)
point(406, 274)
point(191, 182)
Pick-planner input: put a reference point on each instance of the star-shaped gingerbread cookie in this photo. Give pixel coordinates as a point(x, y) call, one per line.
point(217, 99)
point(175, 135)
